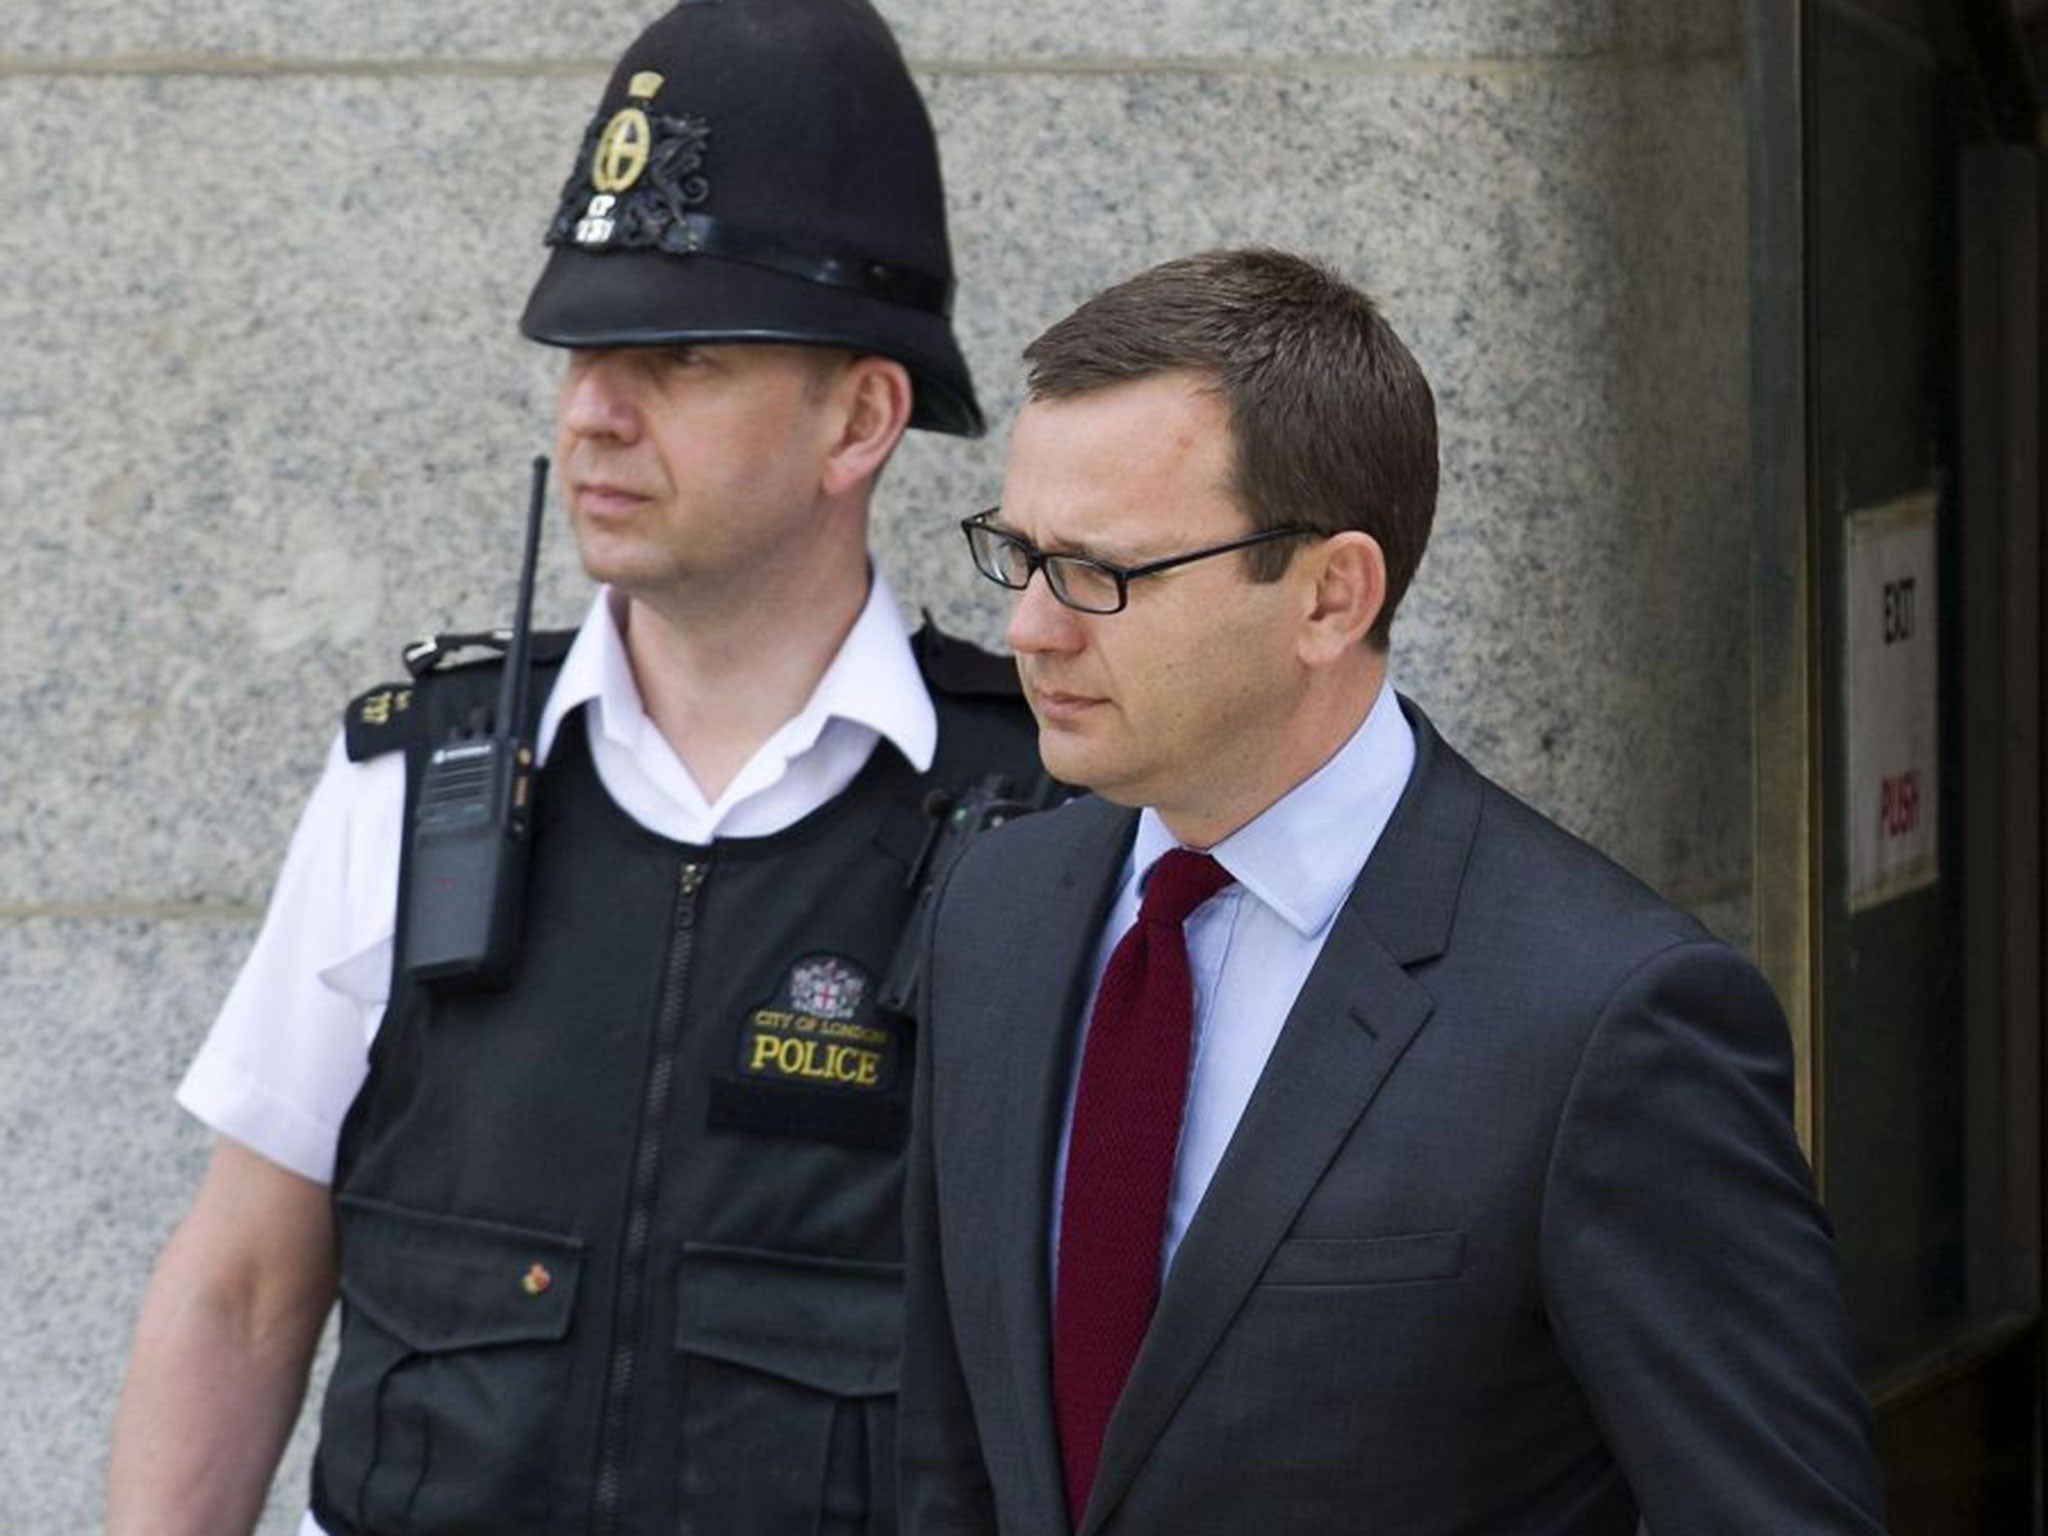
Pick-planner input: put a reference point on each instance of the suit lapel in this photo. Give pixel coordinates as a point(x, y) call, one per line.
point(1355, 1016)
point(1040, 1033)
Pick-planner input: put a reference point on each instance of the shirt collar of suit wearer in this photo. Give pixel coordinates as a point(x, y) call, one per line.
point(873, 681)
point(1302, 854)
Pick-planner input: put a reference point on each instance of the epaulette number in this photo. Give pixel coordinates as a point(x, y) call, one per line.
point(378, 707)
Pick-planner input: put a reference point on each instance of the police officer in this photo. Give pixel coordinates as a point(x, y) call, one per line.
point(617, 1243)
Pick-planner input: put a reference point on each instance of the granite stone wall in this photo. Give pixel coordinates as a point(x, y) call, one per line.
point(264, 415)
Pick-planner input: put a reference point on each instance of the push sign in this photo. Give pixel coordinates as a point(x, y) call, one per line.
point(1892, 716)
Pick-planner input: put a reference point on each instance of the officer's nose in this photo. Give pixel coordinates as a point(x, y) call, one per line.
point(1041, 623)
point(594, 401)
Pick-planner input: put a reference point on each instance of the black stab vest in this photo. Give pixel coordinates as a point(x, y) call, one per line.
point(619, 1245)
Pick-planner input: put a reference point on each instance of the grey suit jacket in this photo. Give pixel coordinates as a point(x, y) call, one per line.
point(1514, 1235)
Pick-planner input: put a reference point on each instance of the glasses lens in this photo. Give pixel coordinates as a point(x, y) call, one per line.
point(998, 556)
point(1083, 584)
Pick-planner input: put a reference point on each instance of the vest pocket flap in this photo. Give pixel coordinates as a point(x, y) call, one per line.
point(1366, 1260)
point(835, 1325)
point(452, 1282)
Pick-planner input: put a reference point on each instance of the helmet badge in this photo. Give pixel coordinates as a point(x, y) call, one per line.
point(619, 158)
point(637, 177)
point(623, 148)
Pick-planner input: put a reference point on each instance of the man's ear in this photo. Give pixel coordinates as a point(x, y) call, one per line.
point(1346, 579)
point(874, 398)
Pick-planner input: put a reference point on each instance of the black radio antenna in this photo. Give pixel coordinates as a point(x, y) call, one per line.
point(512, 693)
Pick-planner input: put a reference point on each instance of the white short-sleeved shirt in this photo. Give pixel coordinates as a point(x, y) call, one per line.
point(289, 1049)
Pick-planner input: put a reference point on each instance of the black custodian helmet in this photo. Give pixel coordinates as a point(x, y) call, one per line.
point(761, 170)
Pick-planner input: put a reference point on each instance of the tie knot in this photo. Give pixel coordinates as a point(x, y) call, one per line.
point(1180, 882)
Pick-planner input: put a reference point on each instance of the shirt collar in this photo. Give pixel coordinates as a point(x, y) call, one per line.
point(1302, 854)
point(873, 681)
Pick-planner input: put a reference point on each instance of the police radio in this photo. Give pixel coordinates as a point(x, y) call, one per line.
point(957, 820)
point(473, 820)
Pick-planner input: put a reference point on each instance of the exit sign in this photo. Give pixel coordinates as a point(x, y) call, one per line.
point(1894, 755)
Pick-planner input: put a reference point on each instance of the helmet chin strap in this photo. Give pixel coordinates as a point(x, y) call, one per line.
point(700, 234)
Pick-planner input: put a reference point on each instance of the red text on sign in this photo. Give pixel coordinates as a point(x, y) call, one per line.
point(1898, 804)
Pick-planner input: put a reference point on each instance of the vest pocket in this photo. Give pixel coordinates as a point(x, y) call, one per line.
point(789, 1369)
point(439, 1411)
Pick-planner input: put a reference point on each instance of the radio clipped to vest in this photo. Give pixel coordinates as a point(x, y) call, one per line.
point(473, 820)
point(956, 821)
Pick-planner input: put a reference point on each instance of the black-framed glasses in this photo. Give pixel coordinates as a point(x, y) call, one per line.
point(1082, 582)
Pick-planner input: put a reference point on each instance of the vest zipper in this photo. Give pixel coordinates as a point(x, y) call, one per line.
point(654, 1115)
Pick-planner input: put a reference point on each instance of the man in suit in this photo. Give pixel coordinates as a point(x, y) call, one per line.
point(1312, 1138)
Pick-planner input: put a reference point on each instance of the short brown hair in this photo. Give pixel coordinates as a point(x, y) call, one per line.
point(1332, 422)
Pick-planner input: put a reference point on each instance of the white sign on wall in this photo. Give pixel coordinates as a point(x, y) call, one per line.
point(1893, 724)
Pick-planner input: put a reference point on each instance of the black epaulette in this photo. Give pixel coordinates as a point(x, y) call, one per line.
point(384, 719)
point(378, 721)
point(962, 668)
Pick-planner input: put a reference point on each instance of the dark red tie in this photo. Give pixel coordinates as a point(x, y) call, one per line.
point(1127, 1114)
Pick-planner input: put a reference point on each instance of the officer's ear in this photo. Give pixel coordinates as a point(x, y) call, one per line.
point(870, 396)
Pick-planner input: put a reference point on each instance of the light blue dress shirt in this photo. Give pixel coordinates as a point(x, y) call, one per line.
point(1251, 946)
